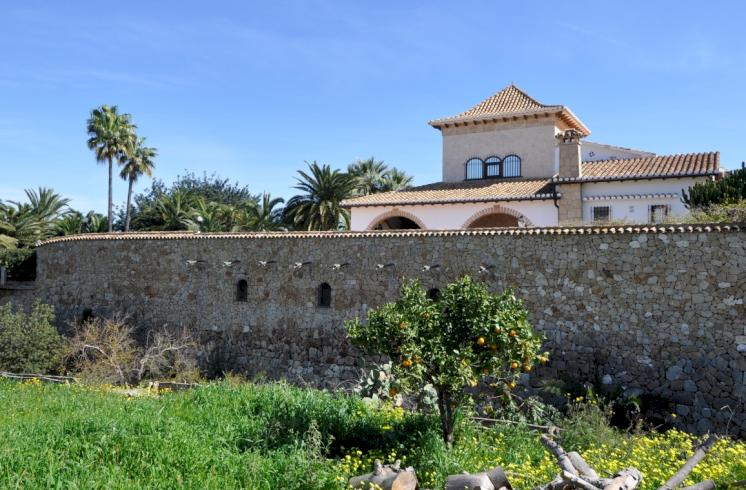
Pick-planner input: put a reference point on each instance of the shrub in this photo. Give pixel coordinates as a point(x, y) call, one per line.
point(464, 335)
point(728, 190)
point(20, 262)
point(29, 343)
point(106, 351)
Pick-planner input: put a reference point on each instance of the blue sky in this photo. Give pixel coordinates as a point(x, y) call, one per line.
point(252, 89)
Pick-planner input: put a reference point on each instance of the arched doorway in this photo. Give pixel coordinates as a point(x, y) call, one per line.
point(497, 216)
point(396, 223)
point(396, 219)
point(495, 220)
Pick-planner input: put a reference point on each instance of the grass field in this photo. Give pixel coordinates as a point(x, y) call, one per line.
point(273, 436)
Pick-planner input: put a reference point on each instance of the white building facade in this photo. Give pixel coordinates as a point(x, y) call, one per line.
point(512, 161)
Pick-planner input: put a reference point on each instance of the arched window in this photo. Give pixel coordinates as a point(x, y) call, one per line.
point(474, 169)
point(433, 294)
point(325, 295)
point(242, 291)
point(511, 166)
point(492, 166)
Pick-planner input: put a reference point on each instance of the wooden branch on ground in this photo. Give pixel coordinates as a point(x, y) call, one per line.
point(699, 453)
point(577, 481)
point(627, 479)
point(703, 485)
point(562, 459)
point(545, 428)
point(41, 377)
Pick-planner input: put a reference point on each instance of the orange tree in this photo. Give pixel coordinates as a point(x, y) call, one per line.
point(451, 342)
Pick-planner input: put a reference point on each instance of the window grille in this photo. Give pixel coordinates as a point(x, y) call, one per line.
point(474, 169)
point(601, 213)
point(512, 166)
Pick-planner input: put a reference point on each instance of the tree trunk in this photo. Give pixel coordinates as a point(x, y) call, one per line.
point(446, 416)
point(129, 200)
point(111, 197)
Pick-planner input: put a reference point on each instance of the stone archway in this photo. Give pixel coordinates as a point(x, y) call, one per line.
point(396, 219)
point(497, 217)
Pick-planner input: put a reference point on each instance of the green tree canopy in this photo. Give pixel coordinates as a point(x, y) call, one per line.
point(450, 342)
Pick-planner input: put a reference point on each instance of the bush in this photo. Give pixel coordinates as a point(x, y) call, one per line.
point(728, 190)
point(29, 343)
point(106, 351)
point(718, 213)
point(20, 262)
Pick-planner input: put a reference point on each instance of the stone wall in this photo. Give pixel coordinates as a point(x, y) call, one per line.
point(656, 309)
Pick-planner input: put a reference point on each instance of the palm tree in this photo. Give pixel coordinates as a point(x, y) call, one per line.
point(71, 224)
point(395, 180)
point(319, 207)
point(369, 174)
point(174, 212)
point(7, 229)
point(110, 136)
point(48, 207)
point(95, 223)
point(211, 216)
point(139, 161)
point(262, 216)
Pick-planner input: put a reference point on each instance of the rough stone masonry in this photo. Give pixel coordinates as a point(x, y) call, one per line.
point(654, 309)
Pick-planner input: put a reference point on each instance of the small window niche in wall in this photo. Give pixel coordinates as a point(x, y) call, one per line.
point(658, 213)
point(433, 294)
point(242, 291)
point(325, 295)
point(601, 213)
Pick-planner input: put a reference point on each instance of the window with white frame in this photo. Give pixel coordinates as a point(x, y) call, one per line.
point(658, 213)
point(601, 213)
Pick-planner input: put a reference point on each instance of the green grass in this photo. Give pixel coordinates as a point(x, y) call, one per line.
point(272, 436)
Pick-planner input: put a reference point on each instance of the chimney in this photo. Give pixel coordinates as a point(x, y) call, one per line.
point(569, 153)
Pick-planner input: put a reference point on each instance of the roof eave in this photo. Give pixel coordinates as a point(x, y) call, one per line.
point(560, 111)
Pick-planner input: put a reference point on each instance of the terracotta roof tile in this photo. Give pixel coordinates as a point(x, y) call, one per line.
point(577, 230)
point(510, 101)
point(691, 164)
point(455, 192)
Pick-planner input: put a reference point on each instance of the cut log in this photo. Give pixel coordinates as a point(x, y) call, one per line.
point(627, 479)
point(469, 482)
point(493, 479)
point(389, 477)
point(703, 485)
point(562, 459)
point(699, 453)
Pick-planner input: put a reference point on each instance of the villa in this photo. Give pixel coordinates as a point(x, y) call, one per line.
point(512, 161)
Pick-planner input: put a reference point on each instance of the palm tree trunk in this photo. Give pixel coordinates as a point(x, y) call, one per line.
point(111, 198)
point(129, 200)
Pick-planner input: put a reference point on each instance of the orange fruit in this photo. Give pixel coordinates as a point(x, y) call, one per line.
point(511, 385)
point(513, 333)
point(514, 365)
point(527, 368)
point(406, 363)
point(393, 392)
point(480, 341)
point(498, 329)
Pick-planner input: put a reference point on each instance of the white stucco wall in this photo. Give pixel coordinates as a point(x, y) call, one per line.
point(597, 151)
point(532, 140)
point(636, 210)
point(453, 216)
